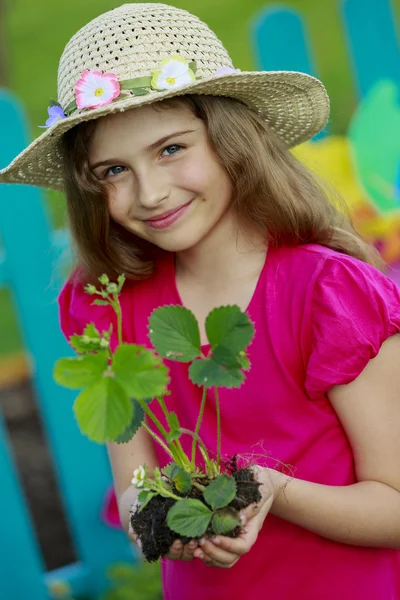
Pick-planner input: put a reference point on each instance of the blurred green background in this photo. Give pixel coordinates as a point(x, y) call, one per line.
point(35, 34)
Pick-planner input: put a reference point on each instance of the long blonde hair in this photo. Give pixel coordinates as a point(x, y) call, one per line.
point(273, 193)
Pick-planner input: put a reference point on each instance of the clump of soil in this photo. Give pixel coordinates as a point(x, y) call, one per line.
point(150, 524)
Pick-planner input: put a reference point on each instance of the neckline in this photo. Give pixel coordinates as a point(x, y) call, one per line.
point(252, 300)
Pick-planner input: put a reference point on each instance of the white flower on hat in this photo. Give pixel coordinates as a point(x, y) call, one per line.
point(139, 475)
point(174, 72)
point(95, 89)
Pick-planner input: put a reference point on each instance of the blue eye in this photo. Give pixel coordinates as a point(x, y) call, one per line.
point(113, 174)
point(173, 149)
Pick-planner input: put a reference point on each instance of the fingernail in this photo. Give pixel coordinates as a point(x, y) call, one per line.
point(202, 541)
point(216, 540)
point(243, 519)
point(192, 544)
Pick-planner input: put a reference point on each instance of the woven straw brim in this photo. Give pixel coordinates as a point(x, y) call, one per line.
point(295, 106)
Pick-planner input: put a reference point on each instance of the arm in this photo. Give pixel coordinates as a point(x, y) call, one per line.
point(366, 513)
point(124, 458)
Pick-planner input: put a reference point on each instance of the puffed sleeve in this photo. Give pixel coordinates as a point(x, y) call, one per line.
point(76, 310)
point(354, 309)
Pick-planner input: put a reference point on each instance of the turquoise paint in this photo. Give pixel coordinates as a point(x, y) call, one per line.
point(32, 273)
point(372, 41)
point(20, 561)
point(281, 43)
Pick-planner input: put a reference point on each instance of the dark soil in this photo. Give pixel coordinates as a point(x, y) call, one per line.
point(150, 523)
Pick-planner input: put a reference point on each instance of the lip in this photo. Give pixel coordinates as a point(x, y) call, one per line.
point(167, 218)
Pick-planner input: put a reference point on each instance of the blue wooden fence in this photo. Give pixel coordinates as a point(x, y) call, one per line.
point(29, 268)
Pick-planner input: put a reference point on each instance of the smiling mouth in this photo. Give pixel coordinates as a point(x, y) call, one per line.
point(168, 217)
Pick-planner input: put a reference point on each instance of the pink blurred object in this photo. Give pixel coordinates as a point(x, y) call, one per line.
point(394, 273)
point(109, 513)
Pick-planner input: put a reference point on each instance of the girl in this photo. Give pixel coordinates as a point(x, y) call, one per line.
point(177, 172)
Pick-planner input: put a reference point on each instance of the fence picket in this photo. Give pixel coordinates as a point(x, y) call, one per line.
point(281, 42)
point(81, 466)
point(21, 565)
point(372, 40)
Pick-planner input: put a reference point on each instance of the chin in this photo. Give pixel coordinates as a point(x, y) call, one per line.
point(176, 243)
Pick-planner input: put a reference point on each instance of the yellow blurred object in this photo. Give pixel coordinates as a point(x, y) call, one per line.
point(14, 369)
point(331, 159)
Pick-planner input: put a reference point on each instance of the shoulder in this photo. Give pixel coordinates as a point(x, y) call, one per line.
point(325, 269)
point(353, 308)
point(76, 308)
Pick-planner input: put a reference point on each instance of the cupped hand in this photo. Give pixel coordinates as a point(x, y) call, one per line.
point(178, 550)
point(224, 552)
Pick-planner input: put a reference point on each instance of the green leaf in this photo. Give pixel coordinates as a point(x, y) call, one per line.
point(244, 361)
point(140, 91)
point(80, 371)
point(189, 517)
point(220, 492)
point(174, 333)
point(169, 469)
point(99, 302)
point(182, 480)
point(144, 498)
point(139, 371)
point(80, 347)
point(91, 331)
point(103, 410)
point(54, 103)
point(229, 331)
point(121, 280)
point(208, 373)
point(175, 430)
point(137, 420)
point(225, 520)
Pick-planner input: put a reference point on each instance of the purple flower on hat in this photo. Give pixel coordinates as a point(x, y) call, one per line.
point(226, 71)
point(55, 114)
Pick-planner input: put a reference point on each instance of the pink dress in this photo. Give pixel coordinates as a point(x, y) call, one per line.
point(320, 316)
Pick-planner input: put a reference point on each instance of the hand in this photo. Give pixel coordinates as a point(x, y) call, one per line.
point(178, 550)
point(225, 552)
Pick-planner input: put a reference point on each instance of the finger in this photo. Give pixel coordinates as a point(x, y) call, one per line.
point(188, 550)
point(218, 554)
point(210, 562)
point(249, 512)
point(175, 551)
point(134, 537)
point(240, 545)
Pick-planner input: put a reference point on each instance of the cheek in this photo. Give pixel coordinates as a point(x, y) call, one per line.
point(119, 204)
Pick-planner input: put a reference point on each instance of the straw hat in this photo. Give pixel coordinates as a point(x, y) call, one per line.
point(142, 53)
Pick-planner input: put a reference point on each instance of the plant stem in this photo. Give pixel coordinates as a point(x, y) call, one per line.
point(218, 411)
point(158, 440)
point(117, 307)
point(198, 425)
point(172, 450)
point(178, 446)
point(202, 445)
point(199, 486)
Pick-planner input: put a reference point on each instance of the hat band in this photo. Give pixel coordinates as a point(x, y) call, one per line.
point(166, 78)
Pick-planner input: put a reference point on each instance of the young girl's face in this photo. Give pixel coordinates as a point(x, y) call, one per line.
point(168, 186)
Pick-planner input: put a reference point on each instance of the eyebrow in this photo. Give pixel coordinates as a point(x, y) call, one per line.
point(153, 146)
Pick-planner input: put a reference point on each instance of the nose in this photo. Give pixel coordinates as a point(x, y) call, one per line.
point(152, 189)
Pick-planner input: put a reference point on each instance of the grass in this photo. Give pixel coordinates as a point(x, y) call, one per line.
point(36, 33)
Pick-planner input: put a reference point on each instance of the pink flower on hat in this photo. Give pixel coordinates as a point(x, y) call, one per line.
point(94, 89)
